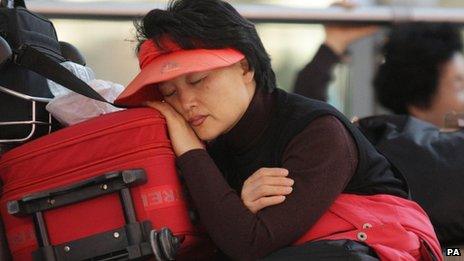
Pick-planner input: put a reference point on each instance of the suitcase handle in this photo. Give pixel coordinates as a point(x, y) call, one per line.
point(87, 189)
point(132, 241)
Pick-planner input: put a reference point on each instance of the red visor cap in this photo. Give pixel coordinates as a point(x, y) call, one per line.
point(158, 66)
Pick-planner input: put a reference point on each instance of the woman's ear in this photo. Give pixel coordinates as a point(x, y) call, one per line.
point(248, 73)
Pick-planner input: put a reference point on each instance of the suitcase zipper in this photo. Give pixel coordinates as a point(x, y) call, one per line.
point(11, 189)
point(99, 132)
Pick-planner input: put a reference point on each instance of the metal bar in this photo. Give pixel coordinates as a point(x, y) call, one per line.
point(24, 96)
point(33, 121)
point(8, 123)
point(50, 119)
point(31, 133)
point(258, 13)
point(128, 206)
point(41, 230)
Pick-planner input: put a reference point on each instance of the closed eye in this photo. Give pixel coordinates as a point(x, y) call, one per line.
point(167, 91)
point(197, 81)
point(169, 94)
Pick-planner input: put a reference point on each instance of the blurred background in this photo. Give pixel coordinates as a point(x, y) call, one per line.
point(109, 43)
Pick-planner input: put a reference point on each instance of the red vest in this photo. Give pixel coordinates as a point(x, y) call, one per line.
point(395, 228)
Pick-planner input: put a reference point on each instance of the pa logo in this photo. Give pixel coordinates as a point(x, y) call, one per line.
point(453, 252)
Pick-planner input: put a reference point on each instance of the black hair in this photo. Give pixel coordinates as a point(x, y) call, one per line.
point(414, 56)
point(209, 24)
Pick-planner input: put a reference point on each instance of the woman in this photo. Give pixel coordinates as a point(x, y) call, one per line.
point(208, 69)
point(430, 57)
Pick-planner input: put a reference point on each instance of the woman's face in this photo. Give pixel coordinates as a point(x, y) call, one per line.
point(450, 93)
point(212, 102)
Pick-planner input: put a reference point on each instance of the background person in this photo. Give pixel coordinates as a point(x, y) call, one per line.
point(423, 72)
point(421, 80)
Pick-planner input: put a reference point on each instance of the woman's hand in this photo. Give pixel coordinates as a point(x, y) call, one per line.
point(266, 187)
point(340, 36)
point(182, 136)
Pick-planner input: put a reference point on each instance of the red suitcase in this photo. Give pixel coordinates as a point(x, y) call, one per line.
point(99, 190)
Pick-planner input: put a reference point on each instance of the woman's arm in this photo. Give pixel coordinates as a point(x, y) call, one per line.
point(266, 187)
point(321, 160)
point(313, 80)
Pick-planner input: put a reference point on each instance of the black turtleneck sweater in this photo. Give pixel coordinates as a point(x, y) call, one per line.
point(319, 178)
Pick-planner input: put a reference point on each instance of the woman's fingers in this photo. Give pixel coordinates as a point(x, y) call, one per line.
point(268, 172)
point(266, 191)
point(269, 201)
point(268, 176)
point(156, 105)
point(266, 187)
point(264, 202)
point(173, 119)
point(274, 181)
point(182, 136)
point(261, 186)
point(164, 108)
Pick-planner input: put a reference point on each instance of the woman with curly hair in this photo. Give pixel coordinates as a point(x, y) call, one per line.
point(423, 72)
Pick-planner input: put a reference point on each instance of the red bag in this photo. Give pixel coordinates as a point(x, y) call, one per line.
point(66, 195)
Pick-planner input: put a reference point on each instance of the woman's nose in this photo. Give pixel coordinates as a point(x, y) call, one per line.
point(187, 98)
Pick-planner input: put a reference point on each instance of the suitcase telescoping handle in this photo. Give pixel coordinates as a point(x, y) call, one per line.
point(78, 192)
point(133, 241)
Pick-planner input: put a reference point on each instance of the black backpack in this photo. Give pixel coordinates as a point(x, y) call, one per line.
point(21, 28)
point(33, 54)
point(432, 162)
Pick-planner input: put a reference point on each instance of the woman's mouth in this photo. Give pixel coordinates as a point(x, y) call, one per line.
point(197, 120)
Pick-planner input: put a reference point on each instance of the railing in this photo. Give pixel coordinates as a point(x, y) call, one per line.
point(258, 13)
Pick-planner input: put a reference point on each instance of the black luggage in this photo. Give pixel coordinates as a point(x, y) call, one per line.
point(19, 120)
point(432, 162)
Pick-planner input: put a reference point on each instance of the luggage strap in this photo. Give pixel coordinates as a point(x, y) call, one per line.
point(34, 60)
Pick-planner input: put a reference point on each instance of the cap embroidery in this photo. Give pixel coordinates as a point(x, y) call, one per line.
point(169, 66)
